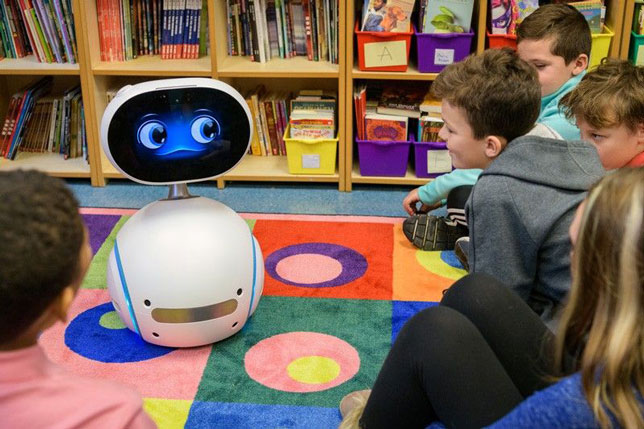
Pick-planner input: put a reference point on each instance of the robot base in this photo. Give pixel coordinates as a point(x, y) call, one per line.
point(185, 272)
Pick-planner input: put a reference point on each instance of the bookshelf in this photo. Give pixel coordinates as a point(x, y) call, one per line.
point(614, 19)
point(96, 77)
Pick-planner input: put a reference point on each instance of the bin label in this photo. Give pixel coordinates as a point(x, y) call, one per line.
point(382, 54)
point(438, 161)
point(311, 160)
point(443, 57)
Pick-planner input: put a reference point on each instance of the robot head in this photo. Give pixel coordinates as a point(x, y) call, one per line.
point(176, 130)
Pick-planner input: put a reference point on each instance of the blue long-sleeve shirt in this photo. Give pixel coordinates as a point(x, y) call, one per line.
point(554, 117)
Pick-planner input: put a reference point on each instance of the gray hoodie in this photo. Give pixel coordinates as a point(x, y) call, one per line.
point(519, 213)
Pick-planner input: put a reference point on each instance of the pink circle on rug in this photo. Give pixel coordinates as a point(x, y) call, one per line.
point(309, 268)
point(267, 361)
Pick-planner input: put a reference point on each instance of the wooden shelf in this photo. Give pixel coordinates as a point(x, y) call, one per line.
point(277, 67)
point(50, 163)
point(153, 65)
point(412, 73)
point(273, 169)
point(409, 178)
point(29, 65)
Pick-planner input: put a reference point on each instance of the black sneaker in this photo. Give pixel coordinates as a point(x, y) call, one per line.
point(461, 250)
point(430, 232)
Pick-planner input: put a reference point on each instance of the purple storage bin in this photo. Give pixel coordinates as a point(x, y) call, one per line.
point(436, 50)
point(383, 158)
point(421, 151)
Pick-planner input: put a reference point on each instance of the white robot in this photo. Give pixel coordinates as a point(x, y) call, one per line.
point(185, 271)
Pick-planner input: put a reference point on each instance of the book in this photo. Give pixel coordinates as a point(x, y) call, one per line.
point(428, 128)
point(390, 16)
point(379, 127)
point(448, 16)
point(592, 11)
point(430, 104)
point(403, 100)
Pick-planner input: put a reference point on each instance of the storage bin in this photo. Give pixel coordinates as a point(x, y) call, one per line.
point(600, 46)
point(310, 156)
point(384, 50)
point(496, 41)
point(383, 158)
point(635, 51)
point(436, 50)
point(431, 159)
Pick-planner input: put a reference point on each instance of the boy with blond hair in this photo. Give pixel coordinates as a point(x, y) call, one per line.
point(555, 39)
point(608, 105)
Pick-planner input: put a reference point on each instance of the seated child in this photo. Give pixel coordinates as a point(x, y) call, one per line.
point(556, 40)
point(483, 359)
point(521, 206)
point(608, 105)
point(44, 255)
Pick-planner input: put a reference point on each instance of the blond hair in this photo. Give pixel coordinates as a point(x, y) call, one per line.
point(609, 96)
point(603, 323)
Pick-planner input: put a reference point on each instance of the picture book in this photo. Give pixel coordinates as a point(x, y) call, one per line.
point(387, 16)
point(430, 104)
point(592, 11)
point(402, 100)
point(380, 127)
point(428, 128)
point(447, 16)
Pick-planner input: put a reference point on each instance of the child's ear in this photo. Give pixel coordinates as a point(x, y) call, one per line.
point(580, 64)
point(494, 146)
point(61, 305)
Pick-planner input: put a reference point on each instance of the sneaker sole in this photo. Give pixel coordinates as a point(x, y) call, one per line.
point(429, 232)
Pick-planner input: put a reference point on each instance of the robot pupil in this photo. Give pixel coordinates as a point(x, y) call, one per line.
point(209, 129)
point(159, 134)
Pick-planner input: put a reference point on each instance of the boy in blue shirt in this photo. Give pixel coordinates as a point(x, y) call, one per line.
point(555, 39)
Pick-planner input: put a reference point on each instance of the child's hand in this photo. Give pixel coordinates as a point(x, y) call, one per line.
point(412, 199)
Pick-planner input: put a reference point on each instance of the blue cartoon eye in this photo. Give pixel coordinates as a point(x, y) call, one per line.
point(204, 129)
point(152, 134)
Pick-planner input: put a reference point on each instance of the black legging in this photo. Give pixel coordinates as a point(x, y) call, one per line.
point(466, 363)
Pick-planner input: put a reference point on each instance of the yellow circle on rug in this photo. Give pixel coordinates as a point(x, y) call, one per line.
point(313, 369)
point(111, 320)
point(433, 262)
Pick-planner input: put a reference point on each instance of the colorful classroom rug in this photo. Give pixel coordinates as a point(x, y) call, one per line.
point(337, 291)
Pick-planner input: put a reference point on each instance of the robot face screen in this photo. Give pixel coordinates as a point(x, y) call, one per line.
point(178, 134)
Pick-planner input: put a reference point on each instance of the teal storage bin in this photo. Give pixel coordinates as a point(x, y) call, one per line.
point(636, 52)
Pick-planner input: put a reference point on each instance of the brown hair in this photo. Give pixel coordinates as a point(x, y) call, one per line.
point(499, 92)
point(602, 325)
point(608, 96)
point(561, 23)
point(41, 234)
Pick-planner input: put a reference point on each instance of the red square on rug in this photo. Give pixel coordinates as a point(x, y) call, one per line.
point(327, 259)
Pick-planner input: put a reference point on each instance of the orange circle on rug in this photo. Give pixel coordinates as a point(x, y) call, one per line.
point(302, 362)
point(309, 268)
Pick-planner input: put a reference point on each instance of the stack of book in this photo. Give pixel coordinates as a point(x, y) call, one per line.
point(265, 29)
point(430, 122)
point(35, 123)
point(313, 115)
point(172, 29)
point(44, 28)
point(270, 119)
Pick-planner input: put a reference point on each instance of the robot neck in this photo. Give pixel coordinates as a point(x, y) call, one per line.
point(178, 191)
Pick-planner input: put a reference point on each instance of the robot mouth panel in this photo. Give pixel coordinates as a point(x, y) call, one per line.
point(194, 314)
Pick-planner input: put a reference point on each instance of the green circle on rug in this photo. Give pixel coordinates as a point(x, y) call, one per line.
point(313, 369)
point(111, 320)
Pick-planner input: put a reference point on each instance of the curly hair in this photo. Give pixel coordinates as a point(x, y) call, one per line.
point(564, 25)
point(499, 92)
point(608, 96)
point(41, 235)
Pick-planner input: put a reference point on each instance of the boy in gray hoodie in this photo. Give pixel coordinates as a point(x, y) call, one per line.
point(522, 205)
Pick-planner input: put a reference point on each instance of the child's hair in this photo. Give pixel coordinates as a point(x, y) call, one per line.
point(41, 235)
point(499, 92)
point(608, 96)
point(603, 323)
point(561, 23)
